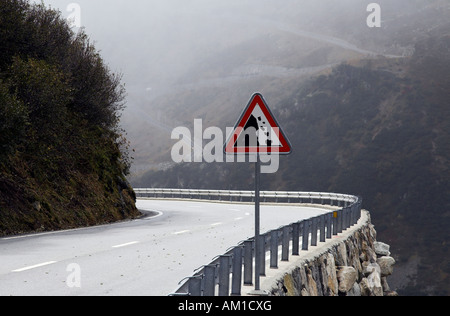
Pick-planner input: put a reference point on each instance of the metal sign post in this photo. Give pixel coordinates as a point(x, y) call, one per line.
point(257, 225)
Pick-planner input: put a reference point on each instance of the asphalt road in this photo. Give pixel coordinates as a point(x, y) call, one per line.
point(148, 256)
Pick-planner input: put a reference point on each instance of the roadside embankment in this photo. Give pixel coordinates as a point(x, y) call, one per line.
point(351, 264)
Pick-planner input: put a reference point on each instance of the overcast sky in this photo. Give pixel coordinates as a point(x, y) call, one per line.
point(161, 37)
point(158, 32)
point(154, 42)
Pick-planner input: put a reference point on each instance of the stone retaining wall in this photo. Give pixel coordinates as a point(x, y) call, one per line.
point(351, 264)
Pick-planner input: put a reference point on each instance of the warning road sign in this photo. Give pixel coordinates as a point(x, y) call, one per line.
point(257, 131)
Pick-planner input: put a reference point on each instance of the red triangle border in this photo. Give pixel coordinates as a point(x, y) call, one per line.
point(230, 147)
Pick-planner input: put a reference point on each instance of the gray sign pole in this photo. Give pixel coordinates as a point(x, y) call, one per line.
point(257, 225)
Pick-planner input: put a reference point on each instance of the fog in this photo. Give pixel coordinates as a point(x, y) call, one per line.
point(154, 42)
point(165, 47)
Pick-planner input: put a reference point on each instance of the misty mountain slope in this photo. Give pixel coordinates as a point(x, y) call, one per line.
point(217, 56)
point(376, 128)
point(217, 88)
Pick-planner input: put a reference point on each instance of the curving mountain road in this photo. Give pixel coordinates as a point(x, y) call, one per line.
point(148, 256)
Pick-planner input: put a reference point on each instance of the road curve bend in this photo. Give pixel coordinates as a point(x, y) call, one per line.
point(147, 256)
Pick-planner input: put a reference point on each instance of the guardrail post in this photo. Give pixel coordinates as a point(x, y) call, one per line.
point(335, 223)
point(353, 214)
point(322, 220)
point(295, 239)
point(348, 221)
point(350, 216)
point(348, 211)
point(209, 281)
point(329, 220)
point(340, 220)
point(195, 285)
point(224, 275)
point(357, 214)
point(274, 249)
point(248, 262)
point(314, 231)
point(305, 237)
point(262, 251)
point(285, 244)
point(344, 219)
point(237, 271)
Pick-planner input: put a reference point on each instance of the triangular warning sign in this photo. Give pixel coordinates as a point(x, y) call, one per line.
point(257, 131)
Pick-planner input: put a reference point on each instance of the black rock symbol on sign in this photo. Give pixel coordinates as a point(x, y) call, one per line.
point(259, 126)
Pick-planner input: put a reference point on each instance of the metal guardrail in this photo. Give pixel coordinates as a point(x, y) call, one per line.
point(226, 274)
point(233, 195)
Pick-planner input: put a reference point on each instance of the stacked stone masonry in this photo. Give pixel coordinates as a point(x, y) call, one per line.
point(355, 264)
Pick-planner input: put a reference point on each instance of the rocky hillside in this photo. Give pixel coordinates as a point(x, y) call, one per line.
point(63, 159)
